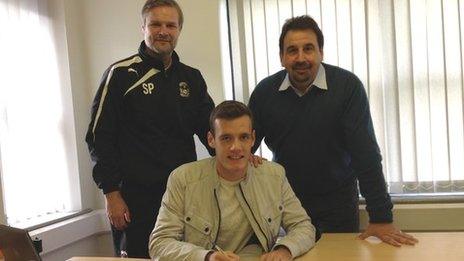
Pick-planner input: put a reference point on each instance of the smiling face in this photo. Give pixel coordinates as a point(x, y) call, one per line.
point(232, 140)
point(161, 30)
point(301, 57)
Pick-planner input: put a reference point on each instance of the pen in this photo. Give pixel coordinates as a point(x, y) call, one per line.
point(219, 249)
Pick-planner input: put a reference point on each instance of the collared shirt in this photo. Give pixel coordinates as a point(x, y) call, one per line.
point(320, 82)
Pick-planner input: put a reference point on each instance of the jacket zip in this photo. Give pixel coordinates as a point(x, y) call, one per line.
point(219, 224)
point(254, 217)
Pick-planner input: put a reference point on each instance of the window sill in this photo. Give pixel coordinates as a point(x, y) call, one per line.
point(47, 220)
point(67, 231)
point(424, 212)
point(424, 198)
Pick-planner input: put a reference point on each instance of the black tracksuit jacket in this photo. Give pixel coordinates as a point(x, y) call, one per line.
point(144, 118)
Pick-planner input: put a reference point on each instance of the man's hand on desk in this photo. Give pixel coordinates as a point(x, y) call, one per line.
point(117, 210)
point(389, 234)
point(279, 254)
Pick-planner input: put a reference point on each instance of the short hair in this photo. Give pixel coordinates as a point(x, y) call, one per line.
point(150, 4)
point(304, 22)
point(229, 110)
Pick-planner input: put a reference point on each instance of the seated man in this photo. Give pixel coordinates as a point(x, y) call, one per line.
point(225, 203)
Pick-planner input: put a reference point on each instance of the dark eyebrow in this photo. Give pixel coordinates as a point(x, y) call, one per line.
point(290, 47)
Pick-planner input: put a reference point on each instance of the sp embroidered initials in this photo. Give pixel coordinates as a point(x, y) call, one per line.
point(148, 87)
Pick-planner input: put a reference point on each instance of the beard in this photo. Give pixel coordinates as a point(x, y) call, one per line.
point(161, 44)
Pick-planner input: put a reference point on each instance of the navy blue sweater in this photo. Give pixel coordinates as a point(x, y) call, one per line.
point(324, 139)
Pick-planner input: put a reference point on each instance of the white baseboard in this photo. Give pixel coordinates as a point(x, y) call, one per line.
point(424, 217)
point(69, 231)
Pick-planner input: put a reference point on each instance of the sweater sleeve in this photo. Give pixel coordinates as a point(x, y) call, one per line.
point(365, 154)
point(102, 132)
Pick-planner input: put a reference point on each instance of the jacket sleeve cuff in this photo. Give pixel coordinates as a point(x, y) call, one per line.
point(109, 188)
point(292, 252)
point(208, 254)
point(380, 216)
point(200, 254)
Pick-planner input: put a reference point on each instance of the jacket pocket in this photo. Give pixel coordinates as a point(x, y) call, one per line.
point(273, 219)
point(197, 230)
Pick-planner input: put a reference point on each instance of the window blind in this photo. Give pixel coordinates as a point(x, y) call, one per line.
point(409, 56)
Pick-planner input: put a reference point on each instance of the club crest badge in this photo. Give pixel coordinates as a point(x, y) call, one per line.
point(184, 90)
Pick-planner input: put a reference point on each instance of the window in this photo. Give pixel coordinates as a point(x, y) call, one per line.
point(37, 139)
point(409, 56)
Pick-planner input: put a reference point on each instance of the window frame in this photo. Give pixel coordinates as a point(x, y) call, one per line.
point(54, 13)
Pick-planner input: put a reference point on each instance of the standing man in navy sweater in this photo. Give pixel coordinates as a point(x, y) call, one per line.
point(315, 118)
point(145, 112)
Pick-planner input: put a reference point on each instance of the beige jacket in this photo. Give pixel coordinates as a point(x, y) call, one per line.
point(189, 218)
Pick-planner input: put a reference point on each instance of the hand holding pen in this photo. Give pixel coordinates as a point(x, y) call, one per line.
point(221, 255)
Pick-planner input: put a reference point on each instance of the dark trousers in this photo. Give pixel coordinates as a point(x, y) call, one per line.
point(119, 242)
point(335, 212)
point(143, 202)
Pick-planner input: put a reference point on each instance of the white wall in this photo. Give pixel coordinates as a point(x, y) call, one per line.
point(199, 44)
point(84, 235)
point(110, 30)
point(98, 245)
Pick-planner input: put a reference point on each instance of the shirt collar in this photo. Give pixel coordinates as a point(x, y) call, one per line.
point(320, 82)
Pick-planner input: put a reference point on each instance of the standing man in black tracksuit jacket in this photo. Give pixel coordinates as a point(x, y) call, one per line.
point(145, 112)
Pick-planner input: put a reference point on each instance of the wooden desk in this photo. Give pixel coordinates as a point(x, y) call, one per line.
point(447, 246)
point(105, 259)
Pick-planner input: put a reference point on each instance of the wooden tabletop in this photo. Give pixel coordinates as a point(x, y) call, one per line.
point(433, 246)
point(436, 246)
point(88, 258)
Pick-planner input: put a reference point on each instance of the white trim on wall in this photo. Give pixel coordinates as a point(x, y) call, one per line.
point(424, 217)
point(72, 230)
